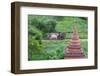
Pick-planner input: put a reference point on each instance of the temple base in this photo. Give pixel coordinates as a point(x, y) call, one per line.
point(74, 54)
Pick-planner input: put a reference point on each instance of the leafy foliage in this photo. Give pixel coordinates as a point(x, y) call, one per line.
point(38, 26)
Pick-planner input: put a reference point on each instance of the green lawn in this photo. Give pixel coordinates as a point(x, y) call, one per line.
point(54, 49)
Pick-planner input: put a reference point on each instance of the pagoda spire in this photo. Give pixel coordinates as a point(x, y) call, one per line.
point(74, 50)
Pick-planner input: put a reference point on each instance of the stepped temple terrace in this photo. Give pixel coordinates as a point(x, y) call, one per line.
point(74, 50)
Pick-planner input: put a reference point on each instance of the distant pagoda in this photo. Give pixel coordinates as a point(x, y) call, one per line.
point(74, 49)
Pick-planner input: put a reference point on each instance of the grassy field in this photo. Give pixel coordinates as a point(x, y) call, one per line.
point(54, 49)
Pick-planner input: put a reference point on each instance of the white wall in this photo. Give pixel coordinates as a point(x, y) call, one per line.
point(5, 42)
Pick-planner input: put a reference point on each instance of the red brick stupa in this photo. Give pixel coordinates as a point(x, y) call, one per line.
point(74, 49)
